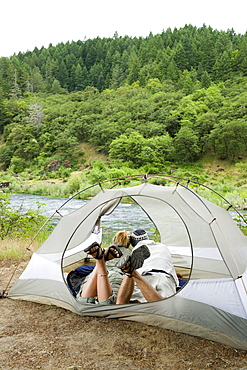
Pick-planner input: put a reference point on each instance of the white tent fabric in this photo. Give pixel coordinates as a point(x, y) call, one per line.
point(203, 239)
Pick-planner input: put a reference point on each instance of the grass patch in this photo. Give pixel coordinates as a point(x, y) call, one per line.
point(222, 176)
point(17, 249)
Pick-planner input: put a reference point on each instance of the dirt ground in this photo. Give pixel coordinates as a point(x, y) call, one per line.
point(35, 336)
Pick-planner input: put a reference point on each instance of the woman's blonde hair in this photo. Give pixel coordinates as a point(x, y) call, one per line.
point(122, 239)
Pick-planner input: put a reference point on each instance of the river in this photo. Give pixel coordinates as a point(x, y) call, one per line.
point(125, 217)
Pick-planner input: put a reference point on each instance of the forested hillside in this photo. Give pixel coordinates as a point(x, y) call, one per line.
point(110, 63)
point(144, 102)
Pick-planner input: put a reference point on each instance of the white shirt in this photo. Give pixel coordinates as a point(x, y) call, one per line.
point(160, 259)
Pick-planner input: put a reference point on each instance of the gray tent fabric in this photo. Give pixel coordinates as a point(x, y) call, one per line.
point(202, 238)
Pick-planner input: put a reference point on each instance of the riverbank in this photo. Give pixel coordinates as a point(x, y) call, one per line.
point(228, 180)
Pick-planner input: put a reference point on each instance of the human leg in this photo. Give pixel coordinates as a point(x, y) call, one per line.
point(129, 266)
point(98, 283)
point(125, 291)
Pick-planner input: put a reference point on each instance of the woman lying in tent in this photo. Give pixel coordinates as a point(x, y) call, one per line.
point(101, 285)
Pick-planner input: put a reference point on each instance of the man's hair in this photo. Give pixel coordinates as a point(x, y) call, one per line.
point(137, 236)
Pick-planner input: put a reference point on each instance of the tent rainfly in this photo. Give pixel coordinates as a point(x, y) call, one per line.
point(202, 238)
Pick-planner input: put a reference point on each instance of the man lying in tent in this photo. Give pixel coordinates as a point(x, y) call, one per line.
point(155, 280)
point(101, 286)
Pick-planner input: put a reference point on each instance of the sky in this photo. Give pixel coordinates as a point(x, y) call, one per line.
point(26, 24)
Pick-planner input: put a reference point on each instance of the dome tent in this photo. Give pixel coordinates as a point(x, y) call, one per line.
point(205, 244)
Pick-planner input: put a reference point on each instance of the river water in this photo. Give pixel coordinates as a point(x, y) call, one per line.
point(125, 217)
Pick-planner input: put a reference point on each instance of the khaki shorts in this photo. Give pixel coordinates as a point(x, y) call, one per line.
point(85, 300)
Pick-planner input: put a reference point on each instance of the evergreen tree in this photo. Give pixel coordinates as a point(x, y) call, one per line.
point(63, 76)
point(100, 51)
point(222, 67)
point(189, 48)
point(207, 49)
point(78, 78)
point(172, 71)
point(108, 63)
point(186, 83)
point(134, 68)
point(205, 80)
point(84, 77)
point(145, 74)
point(5, 81)
point(96, 76)
point(2, 110)
point(37, 81)
point(15, 90)
point(48, 72)
point(180, 57)
point(223, 43)
point(24, 78)
point(243, 56)
point(200, 71)
point(91, 57)
point(117, 77)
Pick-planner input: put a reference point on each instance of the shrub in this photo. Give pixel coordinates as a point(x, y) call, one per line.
point(16, 223)
point(17, 165)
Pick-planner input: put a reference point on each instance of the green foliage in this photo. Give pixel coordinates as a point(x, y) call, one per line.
point(101, 171)
point(172, 97)
point(17, 165)
point(133, 149)
point(235, 199)
point(113, 62)
point(19, 224)
point(229, 138)
point(138, 151)
point(186, 145)
point(134, 125)
point(74, 185)
point(241, 166)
